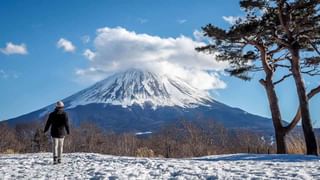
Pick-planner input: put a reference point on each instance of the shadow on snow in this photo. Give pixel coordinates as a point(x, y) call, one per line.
point(260, 157)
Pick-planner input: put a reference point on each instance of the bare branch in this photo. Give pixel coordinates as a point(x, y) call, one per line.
point(276, 50)
point(312, 72)
point(262, 82)
point(283, 78)
point(256, 69)
point(279, 59)
point(282, 65)
point(297, 117)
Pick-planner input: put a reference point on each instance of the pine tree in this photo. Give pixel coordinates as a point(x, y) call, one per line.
point(294, 26)
point(250, 46)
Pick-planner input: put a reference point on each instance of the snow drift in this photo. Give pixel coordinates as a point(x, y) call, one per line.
point(97, 166)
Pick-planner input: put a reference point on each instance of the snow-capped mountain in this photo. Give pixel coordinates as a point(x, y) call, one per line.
point(140, 87)
point(141, 101)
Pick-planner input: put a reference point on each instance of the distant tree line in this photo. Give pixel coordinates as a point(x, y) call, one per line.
point(180, 139)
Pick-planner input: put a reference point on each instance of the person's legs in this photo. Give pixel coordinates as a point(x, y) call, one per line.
point(60, 149)
point(55, 149)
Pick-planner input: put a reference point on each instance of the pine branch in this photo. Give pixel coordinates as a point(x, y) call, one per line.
point(283, 20)
point(311, 43)
point(280, 41)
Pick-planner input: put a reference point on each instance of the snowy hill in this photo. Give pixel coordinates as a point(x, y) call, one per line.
point(141, 101)
point(97, 166)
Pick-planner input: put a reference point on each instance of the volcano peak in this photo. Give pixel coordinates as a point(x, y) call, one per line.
point(141, 87)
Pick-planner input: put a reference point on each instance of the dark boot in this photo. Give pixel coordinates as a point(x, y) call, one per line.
point(59, 160)
point(55, 160)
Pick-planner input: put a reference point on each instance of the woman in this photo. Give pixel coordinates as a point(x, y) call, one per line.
point(59, 122)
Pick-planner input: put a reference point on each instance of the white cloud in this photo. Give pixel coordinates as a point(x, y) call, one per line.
point(231, 19)
point(3, 74)
point(85, 39)
point(89, 54)
point(142, 20)
point(8, 75)
point(182, 21)
point(14, 49)
point(66, 45)
point(198, 35)
point(117, 49)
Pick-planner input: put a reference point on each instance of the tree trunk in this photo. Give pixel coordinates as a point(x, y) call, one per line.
point(281, 141)
point(309, 135)
point(280, 131)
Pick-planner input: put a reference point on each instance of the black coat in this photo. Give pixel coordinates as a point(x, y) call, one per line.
point(59, 122)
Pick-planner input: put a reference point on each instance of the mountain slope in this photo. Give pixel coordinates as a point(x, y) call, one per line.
point(138, 101)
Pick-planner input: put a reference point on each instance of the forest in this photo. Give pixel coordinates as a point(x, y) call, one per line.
point(179, 139)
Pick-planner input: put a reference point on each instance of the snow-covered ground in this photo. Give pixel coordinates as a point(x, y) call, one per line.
point(97, 166)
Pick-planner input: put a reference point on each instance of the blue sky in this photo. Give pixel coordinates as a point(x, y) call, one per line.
point(45, 73)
